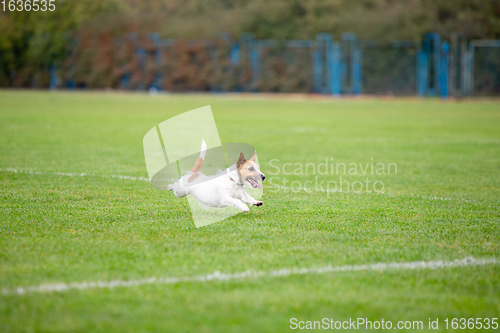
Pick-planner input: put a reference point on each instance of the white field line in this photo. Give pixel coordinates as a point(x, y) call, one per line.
point(284, 188)
point(218, 276)
point(74, 174)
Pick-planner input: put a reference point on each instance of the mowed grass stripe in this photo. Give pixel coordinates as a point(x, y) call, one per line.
point(218, 276)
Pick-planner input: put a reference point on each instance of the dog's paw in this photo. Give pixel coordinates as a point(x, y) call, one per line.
point(258, 203)
point(246, 210)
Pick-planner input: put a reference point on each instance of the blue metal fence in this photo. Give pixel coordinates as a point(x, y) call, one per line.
point(325, 66)
point(483, 63)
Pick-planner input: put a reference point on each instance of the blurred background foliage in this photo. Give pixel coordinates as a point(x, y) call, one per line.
point(30, 42)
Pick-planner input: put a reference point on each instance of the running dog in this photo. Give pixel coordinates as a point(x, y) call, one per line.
point(226, 188)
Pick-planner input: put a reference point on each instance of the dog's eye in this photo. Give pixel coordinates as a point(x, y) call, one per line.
point(250, 169)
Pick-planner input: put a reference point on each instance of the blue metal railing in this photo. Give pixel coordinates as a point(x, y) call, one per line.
point(337, 67)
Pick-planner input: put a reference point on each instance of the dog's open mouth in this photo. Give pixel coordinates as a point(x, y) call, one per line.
point(254, 183)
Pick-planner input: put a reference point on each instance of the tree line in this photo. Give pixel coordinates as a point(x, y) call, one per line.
point(31, 42)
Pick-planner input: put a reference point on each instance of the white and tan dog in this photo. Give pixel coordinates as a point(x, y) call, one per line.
point(226, 188)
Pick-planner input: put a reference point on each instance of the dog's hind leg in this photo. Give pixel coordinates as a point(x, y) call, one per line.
point(178, 189)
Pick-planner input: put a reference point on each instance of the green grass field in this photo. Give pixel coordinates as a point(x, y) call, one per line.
point(443, 204)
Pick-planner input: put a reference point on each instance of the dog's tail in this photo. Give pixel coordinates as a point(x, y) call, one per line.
point(197, 165)
point(177, 187)
point(203, 150)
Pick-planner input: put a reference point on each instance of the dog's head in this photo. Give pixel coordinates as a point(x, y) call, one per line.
point(249, 171)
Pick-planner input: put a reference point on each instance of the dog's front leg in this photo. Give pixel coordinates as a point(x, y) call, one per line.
point(236, 203)
point(251, 201)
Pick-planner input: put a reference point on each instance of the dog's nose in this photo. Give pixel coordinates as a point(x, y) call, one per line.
point(263, 177)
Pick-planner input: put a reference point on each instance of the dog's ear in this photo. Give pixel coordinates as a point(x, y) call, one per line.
point(241, 161)
point(254, 157)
